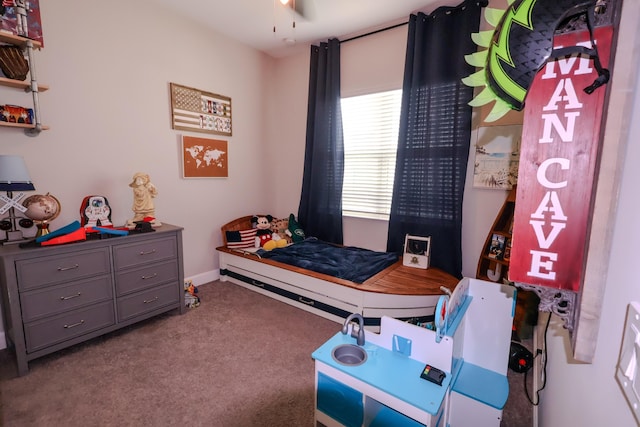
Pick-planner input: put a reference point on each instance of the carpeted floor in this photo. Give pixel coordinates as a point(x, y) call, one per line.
point(240, 359)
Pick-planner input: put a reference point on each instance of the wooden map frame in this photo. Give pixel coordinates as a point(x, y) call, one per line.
point(196, 159)
point(199, 111)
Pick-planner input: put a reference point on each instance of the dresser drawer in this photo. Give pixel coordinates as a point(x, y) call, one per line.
point(136, 304)
point(141, 253)
point(39, 272)
point(46, 332)
point(57, 299)
point(145, 277)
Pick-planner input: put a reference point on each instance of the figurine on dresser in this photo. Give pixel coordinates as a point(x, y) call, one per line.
point(143, 194)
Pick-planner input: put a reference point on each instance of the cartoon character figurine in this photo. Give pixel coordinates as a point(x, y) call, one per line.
point(95, 211)
point(265, 237)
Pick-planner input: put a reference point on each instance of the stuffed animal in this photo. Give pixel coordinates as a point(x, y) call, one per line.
point(295, 231)
point(281, 226)
point(265, 237)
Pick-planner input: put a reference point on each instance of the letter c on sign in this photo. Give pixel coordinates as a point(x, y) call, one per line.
point(541, 175)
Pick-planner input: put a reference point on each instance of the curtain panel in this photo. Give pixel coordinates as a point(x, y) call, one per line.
point(435, 132)
point(320, 210)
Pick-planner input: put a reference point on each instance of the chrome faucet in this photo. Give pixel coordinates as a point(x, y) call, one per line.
point(360, 334)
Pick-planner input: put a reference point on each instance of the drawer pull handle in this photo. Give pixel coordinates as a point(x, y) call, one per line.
point(149, 277)
point(152, 251)
point(304, 301)
point(256, 283)
point(147, 301)
point(68, 268)
point(74, 325)
point(70, 296)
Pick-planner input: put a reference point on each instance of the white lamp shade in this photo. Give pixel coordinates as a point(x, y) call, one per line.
point(14, 175)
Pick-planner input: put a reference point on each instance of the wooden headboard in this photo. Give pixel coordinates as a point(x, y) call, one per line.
point(242, 223)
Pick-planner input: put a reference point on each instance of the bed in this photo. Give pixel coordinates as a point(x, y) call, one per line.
point(396, 290)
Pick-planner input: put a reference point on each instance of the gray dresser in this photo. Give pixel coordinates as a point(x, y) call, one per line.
point(57, 296)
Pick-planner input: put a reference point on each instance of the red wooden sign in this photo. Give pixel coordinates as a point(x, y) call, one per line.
point(558, 165)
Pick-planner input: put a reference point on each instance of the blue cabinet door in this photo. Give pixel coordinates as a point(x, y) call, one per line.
point(340, 402)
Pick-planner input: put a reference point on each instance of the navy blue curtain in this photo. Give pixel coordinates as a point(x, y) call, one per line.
point(320, 210)
point(435, 131)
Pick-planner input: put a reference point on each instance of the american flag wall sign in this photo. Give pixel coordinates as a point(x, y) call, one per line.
point(199, 111)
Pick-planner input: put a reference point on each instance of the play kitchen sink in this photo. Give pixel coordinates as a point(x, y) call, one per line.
point(349, 355)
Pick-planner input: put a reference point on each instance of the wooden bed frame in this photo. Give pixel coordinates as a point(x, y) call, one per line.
point(398, 291)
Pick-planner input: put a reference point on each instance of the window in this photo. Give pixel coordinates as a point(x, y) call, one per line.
point(370, 126)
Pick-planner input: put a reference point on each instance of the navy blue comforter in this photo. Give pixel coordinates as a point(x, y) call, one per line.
point(344, 262)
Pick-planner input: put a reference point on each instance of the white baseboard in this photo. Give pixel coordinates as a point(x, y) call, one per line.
point(3, 341)
point(206, 277)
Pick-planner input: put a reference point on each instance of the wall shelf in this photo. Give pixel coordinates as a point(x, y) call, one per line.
point(21, 125)
point(29, 85)
point(21, 84)
point(494, 266)
point(17, 40)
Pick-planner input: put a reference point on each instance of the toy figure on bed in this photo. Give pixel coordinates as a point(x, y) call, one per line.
point(265, 237)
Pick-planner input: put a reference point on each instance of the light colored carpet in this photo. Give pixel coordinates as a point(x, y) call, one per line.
point(240, 359)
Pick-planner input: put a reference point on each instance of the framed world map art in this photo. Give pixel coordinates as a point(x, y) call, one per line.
point(204, 158)
point(199, 111)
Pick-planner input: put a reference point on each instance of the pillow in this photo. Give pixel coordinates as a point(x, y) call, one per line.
point(242, 239)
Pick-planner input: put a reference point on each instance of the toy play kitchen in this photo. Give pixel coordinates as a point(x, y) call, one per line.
point(454, 375)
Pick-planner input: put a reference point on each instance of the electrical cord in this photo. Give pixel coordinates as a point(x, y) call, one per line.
point(544, 368)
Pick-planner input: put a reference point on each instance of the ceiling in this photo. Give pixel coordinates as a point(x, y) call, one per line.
point(252, 22)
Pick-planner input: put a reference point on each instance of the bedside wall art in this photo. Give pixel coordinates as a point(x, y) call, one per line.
point(497, 156)
point(199, 111)
point(204, 158)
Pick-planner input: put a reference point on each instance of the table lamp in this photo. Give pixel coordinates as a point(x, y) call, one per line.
point(14, 176)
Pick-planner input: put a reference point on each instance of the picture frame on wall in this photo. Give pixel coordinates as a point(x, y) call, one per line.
point(204, 158)
point(497, 246)
point(12, 22)
point(199, 111)
point(417, 251)
point(497, 157)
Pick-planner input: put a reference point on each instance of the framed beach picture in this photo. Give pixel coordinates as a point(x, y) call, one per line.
point(417, 250)
point(497, 157)
point(204, 158)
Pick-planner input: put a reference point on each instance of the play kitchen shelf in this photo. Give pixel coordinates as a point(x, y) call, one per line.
point(29, 85)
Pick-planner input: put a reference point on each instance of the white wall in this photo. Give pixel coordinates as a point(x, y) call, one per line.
point(588, 394)
point(108, 66)
point(109, 113)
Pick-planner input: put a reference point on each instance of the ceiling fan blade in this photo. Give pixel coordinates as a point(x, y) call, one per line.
point(304, 8)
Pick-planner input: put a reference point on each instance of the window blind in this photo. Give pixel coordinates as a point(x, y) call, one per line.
point(370, 126)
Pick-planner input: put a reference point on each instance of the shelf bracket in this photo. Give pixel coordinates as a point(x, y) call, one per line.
point(35, 131)
point(557, 301)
